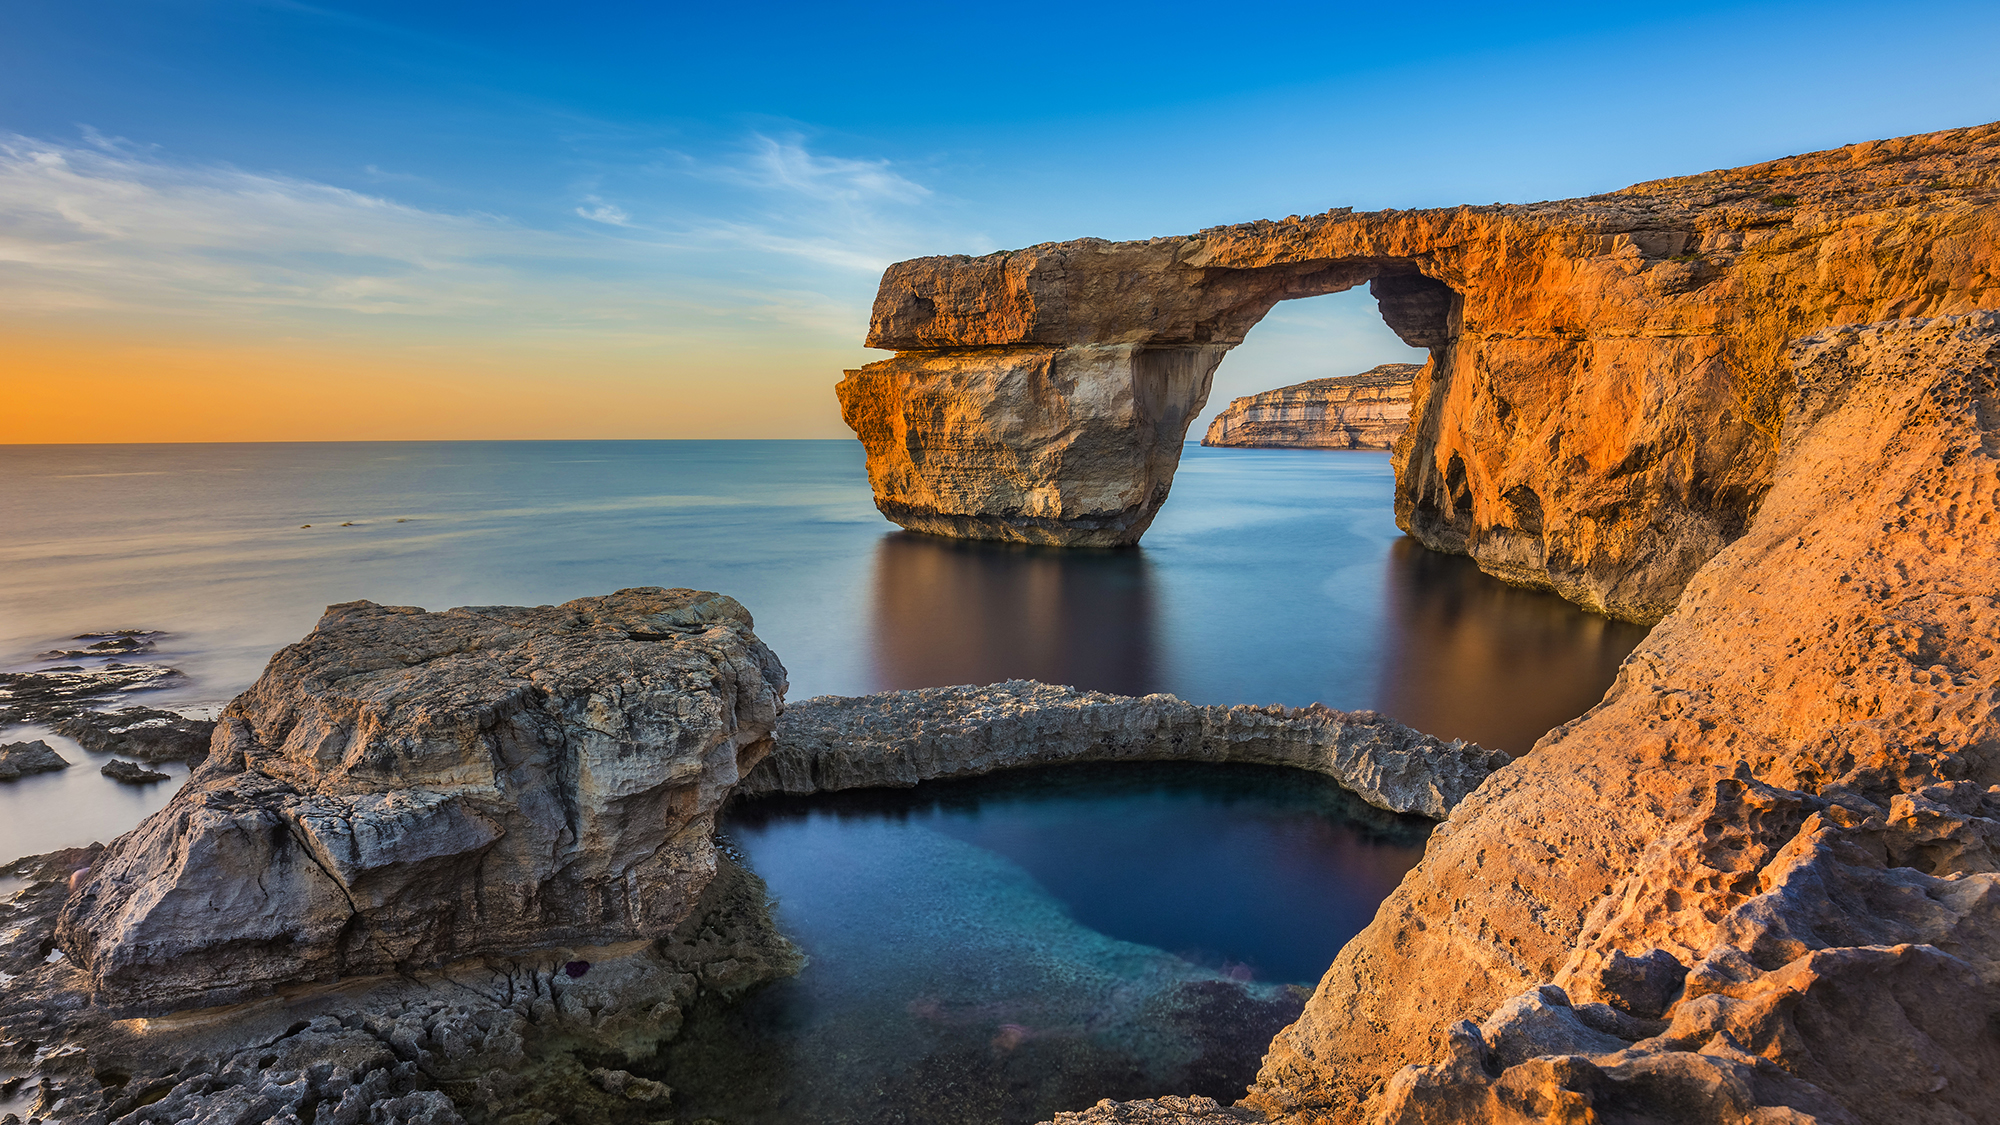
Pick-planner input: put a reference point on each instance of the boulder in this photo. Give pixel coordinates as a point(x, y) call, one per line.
point(131, 773)
point(899, 738)
point(18, 759)
point(1761, 880)
point(1601, 409)
point(1366, 411)
point(404, 789)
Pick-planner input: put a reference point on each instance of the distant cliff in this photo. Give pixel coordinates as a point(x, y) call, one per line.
point(1366, 411)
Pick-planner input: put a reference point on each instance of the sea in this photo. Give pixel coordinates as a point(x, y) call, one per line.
point(1016, 941)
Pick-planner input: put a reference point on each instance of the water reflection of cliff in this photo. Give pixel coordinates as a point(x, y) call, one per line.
point(1468, 656)
point(959, 612)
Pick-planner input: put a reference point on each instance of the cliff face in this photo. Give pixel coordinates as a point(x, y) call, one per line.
point(1366, 411)
point(1763, 874)
point(404, 788)
point(1600, 412)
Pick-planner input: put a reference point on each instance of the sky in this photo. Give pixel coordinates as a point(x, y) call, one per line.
point(265, 220)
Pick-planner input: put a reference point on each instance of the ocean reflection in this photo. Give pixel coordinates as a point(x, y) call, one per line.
point(958, 612)
point(1468, 656)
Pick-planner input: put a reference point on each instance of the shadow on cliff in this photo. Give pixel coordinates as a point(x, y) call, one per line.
point(1468, 656)
point(952, 611)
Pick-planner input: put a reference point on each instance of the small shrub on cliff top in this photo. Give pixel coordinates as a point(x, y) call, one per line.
point(1782, 199)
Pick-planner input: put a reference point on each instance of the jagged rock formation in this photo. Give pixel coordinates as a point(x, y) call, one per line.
point(1760, 881)
point(145, 733)
point(131, 773)
point(491, 1041)
point(1601, 409)
point(1366, 411)
point(18, 759)
point(402, 788)
point(899, 738)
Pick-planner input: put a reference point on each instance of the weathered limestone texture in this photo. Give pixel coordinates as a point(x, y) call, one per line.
point(1761, 881)
point(1601, 410)
point(402, 788)
point(899, 738)
point(498, 1040)
point(1366, 411)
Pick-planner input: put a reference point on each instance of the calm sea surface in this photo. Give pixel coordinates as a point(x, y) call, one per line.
point(1017, 941)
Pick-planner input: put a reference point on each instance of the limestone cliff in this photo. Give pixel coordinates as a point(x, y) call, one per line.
point(403, 789)
point(1601, 409)
point(1760, 881)
point(1366, 411)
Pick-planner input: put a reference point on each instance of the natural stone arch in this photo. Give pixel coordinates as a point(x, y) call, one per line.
point(1069, 433)
point(1600, 413)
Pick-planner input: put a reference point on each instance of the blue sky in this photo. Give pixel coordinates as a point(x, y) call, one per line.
point(687, 208)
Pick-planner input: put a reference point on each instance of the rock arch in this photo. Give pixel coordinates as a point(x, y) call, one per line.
point(1600, 412)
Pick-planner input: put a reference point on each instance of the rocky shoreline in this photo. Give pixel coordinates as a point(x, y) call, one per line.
point(900, 738)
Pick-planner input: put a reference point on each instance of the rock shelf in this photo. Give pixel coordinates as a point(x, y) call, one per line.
point(899, 738)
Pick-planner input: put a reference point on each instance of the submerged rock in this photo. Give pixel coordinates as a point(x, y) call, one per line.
point(402, 789)
point(145, 733)
point(18, 759)
point(1761, 880)
point(899, 738)
point(1366, 411)
point(132, 773)
point(51, 693)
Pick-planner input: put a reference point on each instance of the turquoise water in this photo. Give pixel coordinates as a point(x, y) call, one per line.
point(1003, 948)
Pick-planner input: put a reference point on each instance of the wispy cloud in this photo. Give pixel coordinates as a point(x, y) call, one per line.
point(599, 211)
point(773, 234)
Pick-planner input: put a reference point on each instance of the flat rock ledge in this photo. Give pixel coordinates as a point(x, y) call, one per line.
point(900, 738)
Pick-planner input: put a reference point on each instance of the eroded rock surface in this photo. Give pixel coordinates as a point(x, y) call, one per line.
point(18, 759)
point(519, 1040)
point(131, 773)
point(1366, 411)
point(145, 733)
point(403, 788)
point(1601, 411)
point(899, 738)
point(1761, 881)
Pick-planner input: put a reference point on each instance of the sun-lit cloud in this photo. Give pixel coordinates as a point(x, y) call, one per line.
point(167, 285)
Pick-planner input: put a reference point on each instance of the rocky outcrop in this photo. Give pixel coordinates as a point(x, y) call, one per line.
point(18, 759)
point(1366, 411)
point(145, 733)
point(1601, 410)
point(403, 789)
point(1761, 880)
point(899, 738)
point(492, 1041)
point(47, 694)
point(131, 773)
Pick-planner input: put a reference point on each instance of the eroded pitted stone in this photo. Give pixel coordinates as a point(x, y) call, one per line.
point(1778, 831)
point(404, 788)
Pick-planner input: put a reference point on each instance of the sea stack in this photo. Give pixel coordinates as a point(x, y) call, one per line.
point(1366, 411)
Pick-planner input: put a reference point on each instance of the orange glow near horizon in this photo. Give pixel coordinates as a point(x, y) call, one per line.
point(64, 390)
